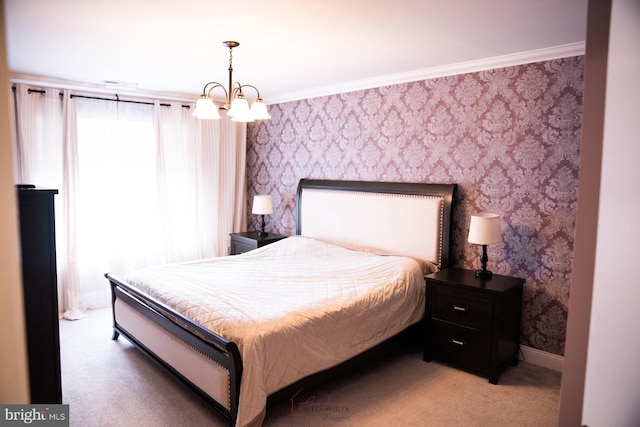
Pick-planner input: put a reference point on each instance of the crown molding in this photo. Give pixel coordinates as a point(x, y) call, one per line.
point(556, 52)
point(106, 89)
point(546, 54)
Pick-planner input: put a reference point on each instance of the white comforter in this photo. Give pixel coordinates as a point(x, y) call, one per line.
point(295, 307)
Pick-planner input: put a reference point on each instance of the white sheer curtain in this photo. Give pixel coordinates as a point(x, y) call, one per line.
point(39, 142)
point(212, 194)
point(139, 185)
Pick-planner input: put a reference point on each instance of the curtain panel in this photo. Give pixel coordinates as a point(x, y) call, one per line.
point(139, 185)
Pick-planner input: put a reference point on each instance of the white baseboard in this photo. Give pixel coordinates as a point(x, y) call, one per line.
point(542, 358)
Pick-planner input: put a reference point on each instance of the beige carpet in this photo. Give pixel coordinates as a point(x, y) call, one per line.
point(111, 383)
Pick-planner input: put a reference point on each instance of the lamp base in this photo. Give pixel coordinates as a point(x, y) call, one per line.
point(484, 274)
point(261, 232)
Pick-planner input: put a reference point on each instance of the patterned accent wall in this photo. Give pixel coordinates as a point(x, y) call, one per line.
point(509, 137)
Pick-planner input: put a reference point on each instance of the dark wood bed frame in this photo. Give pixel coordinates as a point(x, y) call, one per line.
point(224, 352)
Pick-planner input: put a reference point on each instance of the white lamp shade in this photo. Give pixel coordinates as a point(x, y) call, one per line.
point(262, 205)
point(485, 229)
point(239, 110)
point(206, 109)
point(259, 110)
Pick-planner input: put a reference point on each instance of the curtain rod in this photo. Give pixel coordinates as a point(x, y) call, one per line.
point(100, 98)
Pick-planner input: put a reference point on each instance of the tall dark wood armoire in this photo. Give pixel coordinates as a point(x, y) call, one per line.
point(38, 250)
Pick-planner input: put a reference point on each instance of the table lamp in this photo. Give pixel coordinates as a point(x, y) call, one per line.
point(262, 205)
point(484, 230)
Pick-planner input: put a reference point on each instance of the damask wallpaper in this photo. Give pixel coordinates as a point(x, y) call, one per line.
point(509, 137)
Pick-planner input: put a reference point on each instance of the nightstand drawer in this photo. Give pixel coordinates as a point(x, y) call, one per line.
point(239, 247)
point(461, 346)
point(462, 308)
point(250, 240)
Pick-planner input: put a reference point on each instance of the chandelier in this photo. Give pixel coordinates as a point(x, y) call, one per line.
point(235, 103)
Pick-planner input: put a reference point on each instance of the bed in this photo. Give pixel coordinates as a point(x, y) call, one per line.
point(237, 329)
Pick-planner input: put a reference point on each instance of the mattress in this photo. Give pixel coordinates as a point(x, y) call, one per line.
point(294, 308)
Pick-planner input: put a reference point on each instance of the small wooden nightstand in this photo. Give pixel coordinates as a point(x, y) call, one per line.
point(473, 323)
point(249, 240)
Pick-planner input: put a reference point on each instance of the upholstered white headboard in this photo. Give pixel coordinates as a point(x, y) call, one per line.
point(408, 219)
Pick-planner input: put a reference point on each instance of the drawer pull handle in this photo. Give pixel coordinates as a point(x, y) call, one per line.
point(460, 309)
point(457, 343)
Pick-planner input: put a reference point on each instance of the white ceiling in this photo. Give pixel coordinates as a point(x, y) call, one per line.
point(289, 49)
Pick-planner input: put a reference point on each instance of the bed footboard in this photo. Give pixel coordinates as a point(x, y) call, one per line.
point(206, 363)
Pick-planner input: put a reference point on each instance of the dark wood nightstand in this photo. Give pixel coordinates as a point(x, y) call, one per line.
point(473, 323)
point(249, 240)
